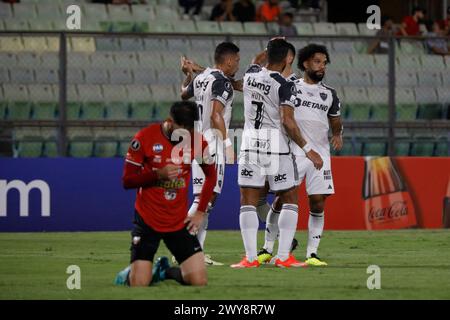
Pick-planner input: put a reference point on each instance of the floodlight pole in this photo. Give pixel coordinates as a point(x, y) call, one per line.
point(62, 138)
point(391, 97)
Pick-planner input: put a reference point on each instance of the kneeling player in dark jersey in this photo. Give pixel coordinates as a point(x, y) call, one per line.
point(158, 164)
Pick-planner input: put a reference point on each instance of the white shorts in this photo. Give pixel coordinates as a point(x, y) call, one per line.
point(317, 181)
point(280, 171)
point(198, 177)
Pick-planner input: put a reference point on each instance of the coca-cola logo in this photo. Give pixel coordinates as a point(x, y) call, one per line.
point(396, 210)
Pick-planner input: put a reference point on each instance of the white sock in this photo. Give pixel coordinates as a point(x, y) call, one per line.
point(315, 229)
point(248, 221)
point(288, 225)
point(271, 233)
point(263, 209)
point(201, 235)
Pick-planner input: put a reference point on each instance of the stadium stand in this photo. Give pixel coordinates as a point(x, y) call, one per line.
point(129, 78)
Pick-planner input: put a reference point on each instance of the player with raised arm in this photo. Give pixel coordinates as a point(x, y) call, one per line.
point(213, 93)
point(317, 108)
point(158, 164)
point(269, 131)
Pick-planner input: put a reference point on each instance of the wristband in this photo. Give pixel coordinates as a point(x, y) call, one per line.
point(227, 142)
point(306, 148)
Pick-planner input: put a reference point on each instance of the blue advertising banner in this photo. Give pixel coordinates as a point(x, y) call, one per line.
point(70, 194)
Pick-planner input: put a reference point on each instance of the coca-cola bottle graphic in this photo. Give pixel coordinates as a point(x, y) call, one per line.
point(387, 202)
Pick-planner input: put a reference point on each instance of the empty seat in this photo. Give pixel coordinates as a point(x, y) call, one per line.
point(51, 59)
point(28, 149)
point(93, 111)
point(426, 95)
point(324, 28)
point(16, 24)
point(411, 48)
point(35, 44)
point(443, 95)
point(163, 13)
point(41, 93)
point(75, 76)
point(359, 78)
point(102, 60)
point(304, 28)
point(119, 12)
point(348, 29)
point(108, 44)
point(355, 95)
point(161, 111)
point(90, 92)
point(364, 31)
point(95, 11)
point(422, 147)
point(5, 10)
point(86, 44)
point(167, 76)
point(406, 112)
point(358, 111)
point(336, 76)
point(343, 47)
point(363, 62)
point(375, 148)
point(116, 110)
point(28, 60)
point(13, 92)
point(409, 62)
point(149, 59)
point(138, 93)
point(430, 111)
point(18, 111)
point(24, 11)
point(254, 28)
point(231, 27)
point(208, 27)
point(21, 75)
point(429, 79)
point(7, 59)
point(125, 60)
point(142, 12)
point(41, 25)
point(77, 60)
point(46, 76)
point(120, 76)
point(131, 44)
point(379, 78)
point(406, 78)
point(11, 44)
point(114, 93)
point(163, 93)
point(44, 111)
point(144, 76)
point(432, 62)
point(380, 112)
point(164, 26)
point(141, 111)
point(185, 26)
point(96, 76)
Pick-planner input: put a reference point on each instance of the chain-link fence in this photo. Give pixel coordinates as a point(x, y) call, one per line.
point(88, 97)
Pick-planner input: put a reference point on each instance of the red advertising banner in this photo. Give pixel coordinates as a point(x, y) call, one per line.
point(378, 193)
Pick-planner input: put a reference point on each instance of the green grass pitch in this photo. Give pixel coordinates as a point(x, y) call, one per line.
point(415, 264)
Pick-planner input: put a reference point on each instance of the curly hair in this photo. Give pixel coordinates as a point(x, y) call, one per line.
point(307, 52)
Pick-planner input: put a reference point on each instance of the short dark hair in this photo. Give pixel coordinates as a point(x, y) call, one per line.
point(288, 14)
point(292, 48)
point(307, 52)
point(385, 19)
point(415, 9)
point(223, 49)
point(184, 113)
point(277, 50)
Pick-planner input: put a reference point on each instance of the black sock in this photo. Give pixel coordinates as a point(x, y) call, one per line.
point(175, 274)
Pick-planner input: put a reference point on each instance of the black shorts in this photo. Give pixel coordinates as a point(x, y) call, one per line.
point(145, 242)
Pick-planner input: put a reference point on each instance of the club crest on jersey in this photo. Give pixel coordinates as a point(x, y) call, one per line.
point(170, 194)
point(228, 86)
point(158, 147)
point(323, 96)
point(135, 145)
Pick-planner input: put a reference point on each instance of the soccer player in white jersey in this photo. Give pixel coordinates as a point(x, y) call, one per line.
point(213, 93)
point(269, 131)
point(317, 108)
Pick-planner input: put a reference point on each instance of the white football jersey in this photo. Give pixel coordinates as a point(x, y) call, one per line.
point(264, 92)
point(314, 105)
point(211, 85)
